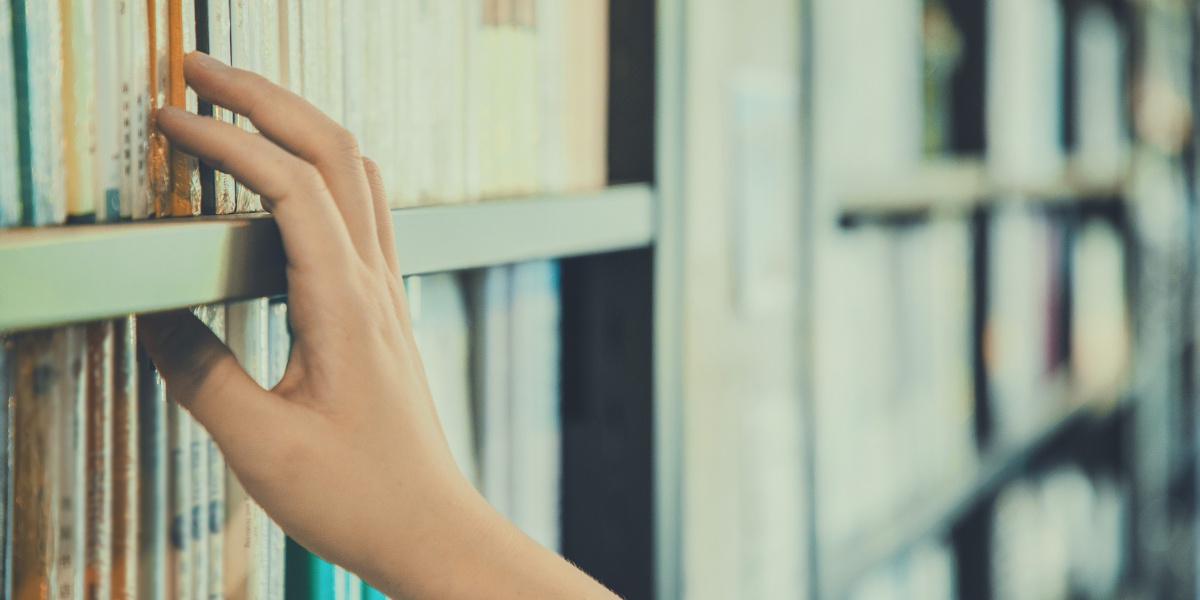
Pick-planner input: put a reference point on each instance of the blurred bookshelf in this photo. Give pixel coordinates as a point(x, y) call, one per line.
point(956, 187)
point(939, 509)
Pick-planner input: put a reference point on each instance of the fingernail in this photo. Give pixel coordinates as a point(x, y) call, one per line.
point(205, 61)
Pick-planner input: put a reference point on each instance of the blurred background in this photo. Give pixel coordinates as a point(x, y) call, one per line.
point(938, 307)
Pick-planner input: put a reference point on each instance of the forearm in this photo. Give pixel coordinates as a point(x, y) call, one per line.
point(468, 551)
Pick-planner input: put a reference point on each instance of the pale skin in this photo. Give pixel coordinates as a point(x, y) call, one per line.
point(346, 453)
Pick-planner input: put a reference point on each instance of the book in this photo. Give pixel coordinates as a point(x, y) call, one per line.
point(247, 555)
point(106, 180)
point(99, 389)
point(182, 571)
point(154, 483)
point(70, 489)
point(1024, 92)
point(158, 159)
point(79, 103)
point(37, 49)
point(308, 576)
point(208, 491)
point(216, 41)
point(7, 445)
point(10, 158)
point(279, 347)
point(492, 335)
point(536, 434)
point(137, 198)
point(1102, 145)
point(37, 377)
point(125, 479)
point(185, 175)
point(244, 45)
point(441, 332)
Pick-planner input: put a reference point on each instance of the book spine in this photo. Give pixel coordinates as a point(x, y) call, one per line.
point(210, 464)
point(36, 445)
point(7, 447)
point(158, 161)
point(247, 330)
point(492, 385)
point(137, 199)
point(219, 47)
point(37, 45)
point(99, 431)
point(125, 461)
point(291, 45)
point(71, 488)
point(154, 516)
point(179, 426)
point(243, 56)
point(10, 157)
point(79, 103)
point(335, 56)
point(107, 114)
point(279, 346)
point(185, 177)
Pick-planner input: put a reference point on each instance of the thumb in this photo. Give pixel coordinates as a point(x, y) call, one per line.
point(204, 377)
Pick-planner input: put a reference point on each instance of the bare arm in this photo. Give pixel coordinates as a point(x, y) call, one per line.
point(346, 453)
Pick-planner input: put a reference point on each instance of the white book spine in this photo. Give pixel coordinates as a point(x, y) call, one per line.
point(183, 567)
point(220, 48)
point(536, 427)
point(10, 180)
point(278, 348)
point(45, 100)
point(334, 76)
point(72, 486)
point(247, 331)
point(493, 386)
point(108, 111)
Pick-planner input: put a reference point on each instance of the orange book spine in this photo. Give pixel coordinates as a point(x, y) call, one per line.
point(158, 164)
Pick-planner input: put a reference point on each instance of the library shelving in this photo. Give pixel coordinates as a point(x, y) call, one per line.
point(68, 274)
point(959, 186)
point(937, 511)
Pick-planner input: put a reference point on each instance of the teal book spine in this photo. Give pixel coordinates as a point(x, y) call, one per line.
point(308, 576)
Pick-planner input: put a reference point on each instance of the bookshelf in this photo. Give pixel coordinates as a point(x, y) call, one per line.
point(937, 512)
point(955, 187)
point(68, 274)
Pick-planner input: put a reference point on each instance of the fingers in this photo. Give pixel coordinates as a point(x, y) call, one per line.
point(299, 128)
point(313, 235)
point(204, 377)
point(383, 216)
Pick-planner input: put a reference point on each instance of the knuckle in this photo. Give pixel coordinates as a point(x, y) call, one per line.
point(343, 142)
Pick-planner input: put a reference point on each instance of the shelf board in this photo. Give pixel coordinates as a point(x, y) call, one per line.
point(957, 186)
point(933, 515)
point(55, 275)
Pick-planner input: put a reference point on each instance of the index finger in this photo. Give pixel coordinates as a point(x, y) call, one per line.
point(300, 128)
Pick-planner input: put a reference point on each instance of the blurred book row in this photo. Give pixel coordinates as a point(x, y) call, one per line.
point(111, 490)
point(456, 100)
point(1055, 535)
point(1055, 330)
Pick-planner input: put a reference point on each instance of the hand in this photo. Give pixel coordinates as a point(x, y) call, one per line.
point(346, 452)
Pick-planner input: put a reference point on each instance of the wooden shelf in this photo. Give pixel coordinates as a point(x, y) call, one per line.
point(933, 515)
point(55, 275)
point(961, 185)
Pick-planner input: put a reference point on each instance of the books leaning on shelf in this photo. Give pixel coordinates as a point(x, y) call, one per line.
point(456, 100)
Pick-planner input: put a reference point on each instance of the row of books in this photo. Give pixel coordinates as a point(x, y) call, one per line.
point(898, 411)
point(1054, 536)
point(456, 100)
point(114, 491)
point(111, 490)
point(1059, 535)
point(893, 376)
point(927, 572)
